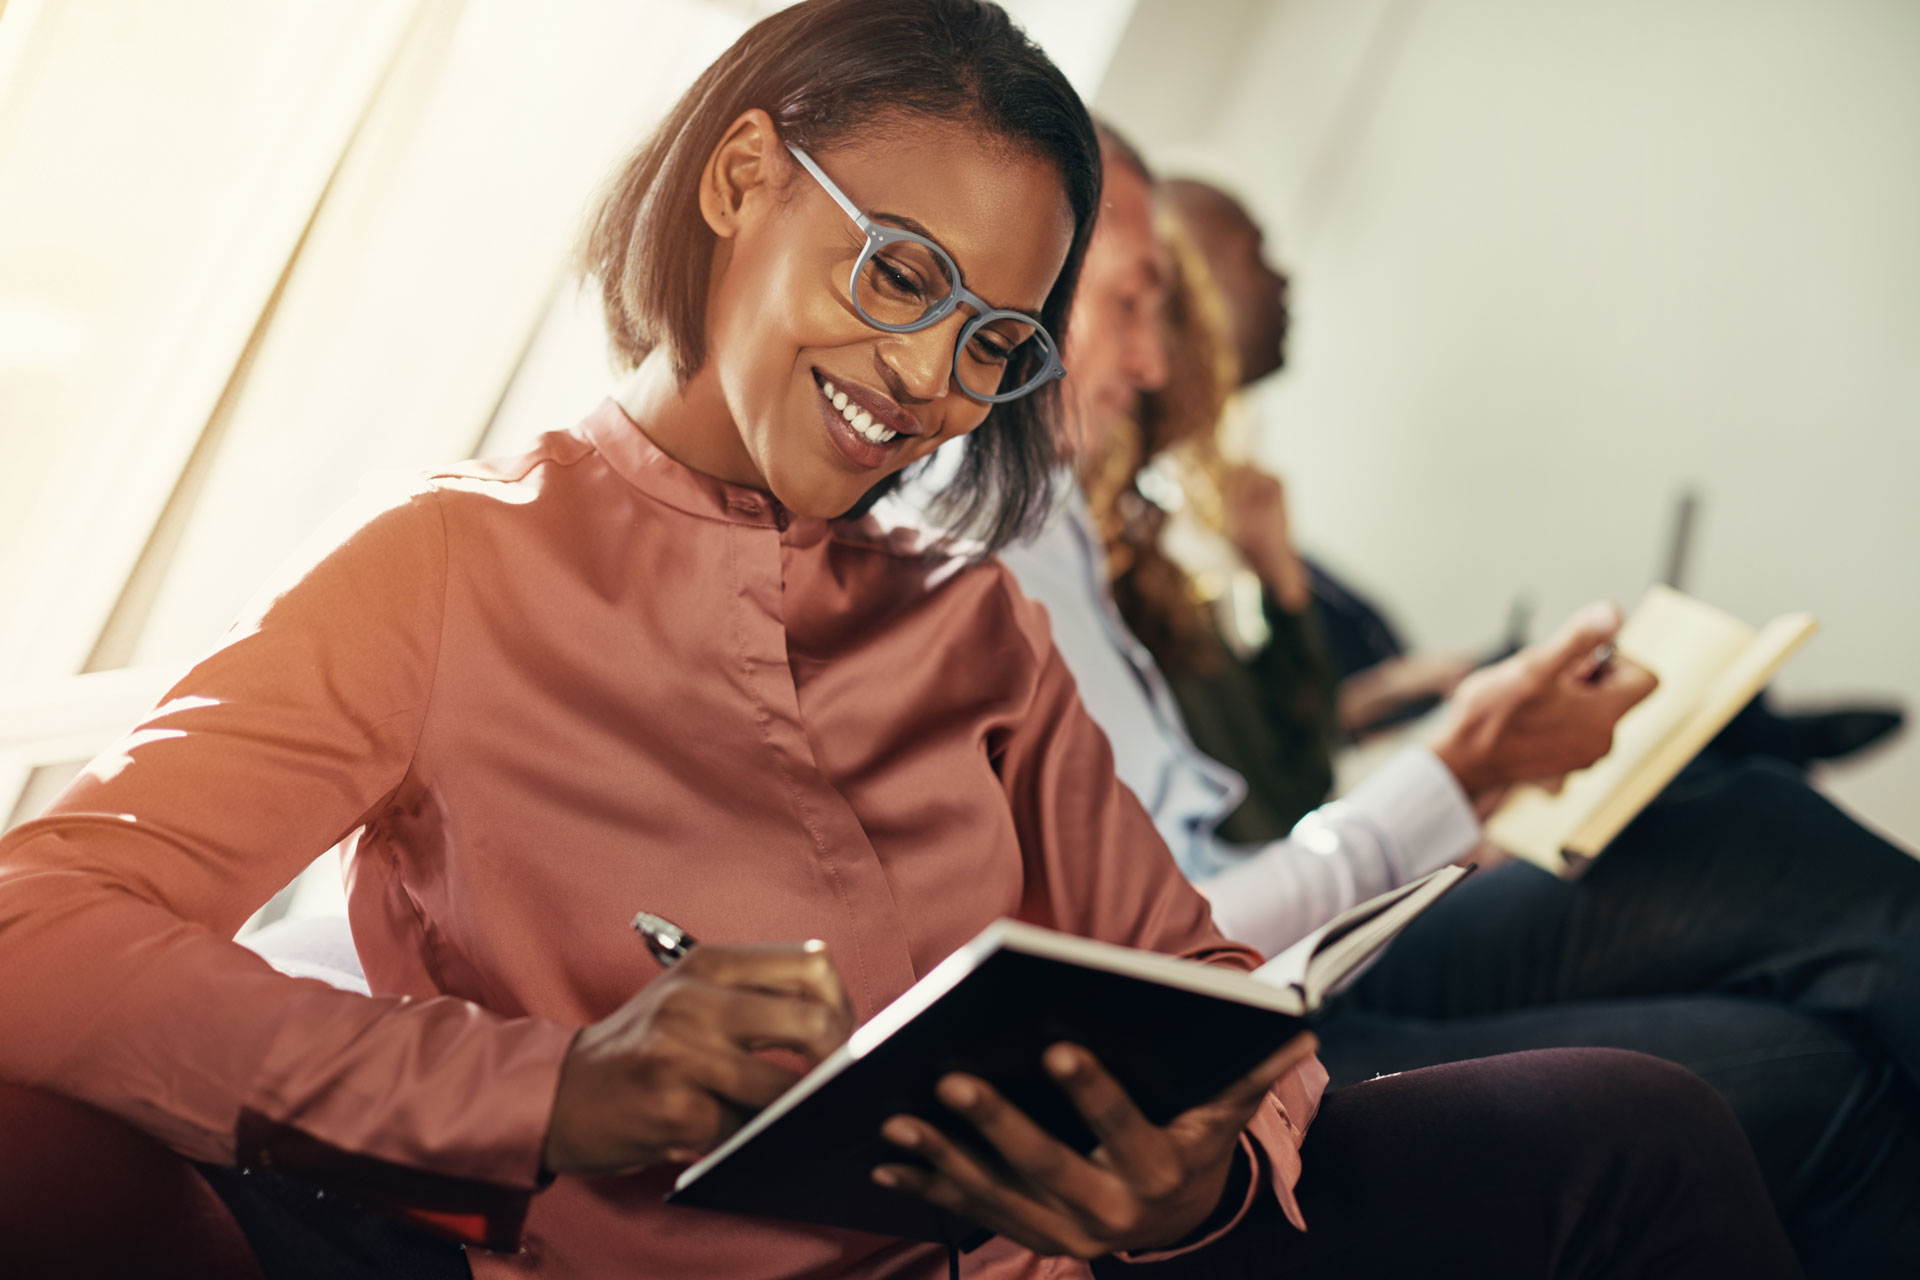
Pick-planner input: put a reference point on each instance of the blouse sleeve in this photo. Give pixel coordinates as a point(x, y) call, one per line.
point(1098, 869)
point(123, 986)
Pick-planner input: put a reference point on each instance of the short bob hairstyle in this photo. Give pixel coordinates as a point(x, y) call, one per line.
point(822, 70)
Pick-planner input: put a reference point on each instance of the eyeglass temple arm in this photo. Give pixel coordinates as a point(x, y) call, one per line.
point(839, 196)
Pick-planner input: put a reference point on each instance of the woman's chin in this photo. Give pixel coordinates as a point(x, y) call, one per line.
point(817, 501)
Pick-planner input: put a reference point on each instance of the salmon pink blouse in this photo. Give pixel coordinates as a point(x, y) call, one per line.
point(545, 694)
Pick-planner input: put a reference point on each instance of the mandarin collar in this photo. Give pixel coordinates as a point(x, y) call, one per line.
point(644, 465)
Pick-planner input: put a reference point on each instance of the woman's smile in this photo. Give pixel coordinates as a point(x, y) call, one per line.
point(867, 426)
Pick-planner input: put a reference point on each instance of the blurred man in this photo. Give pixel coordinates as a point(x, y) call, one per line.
point(1536, 717)
point(1790, 983)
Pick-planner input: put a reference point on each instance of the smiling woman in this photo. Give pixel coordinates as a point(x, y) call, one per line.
point(802, 298)
point(649, 665)
point(926, 130)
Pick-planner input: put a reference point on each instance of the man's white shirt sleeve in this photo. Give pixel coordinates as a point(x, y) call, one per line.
point(1403, 821)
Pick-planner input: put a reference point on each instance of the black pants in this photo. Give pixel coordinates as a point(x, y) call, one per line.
point(1560, 1163)
point(1556, 1163)
point(1743, 927)
point(299, 1232)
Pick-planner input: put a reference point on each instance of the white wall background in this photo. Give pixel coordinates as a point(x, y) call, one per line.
point(1551, 263)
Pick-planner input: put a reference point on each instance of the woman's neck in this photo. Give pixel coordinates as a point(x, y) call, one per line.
point(688, 421)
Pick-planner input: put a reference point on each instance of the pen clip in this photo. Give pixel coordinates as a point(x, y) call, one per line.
point(1599, 660)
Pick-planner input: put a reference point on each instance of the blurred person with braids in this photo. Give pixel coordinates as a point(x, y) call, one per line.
point(1268, 705)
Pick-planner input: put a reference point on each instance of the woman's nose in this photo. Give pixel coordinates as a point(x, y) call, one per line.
point(923, 360)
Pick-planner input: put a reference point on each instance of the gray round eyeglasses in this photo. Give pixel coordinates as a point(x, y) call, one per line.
point(903, 282)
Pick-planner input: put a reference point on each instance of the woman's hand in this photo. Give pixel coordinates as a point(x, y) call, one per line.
point(673, 1071)
point(1142, 1188)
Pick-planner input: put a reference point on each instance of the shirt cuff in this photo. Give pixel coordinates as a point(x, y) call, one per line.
point(1249, 1161)
point(474, 1212)
point(1419, 807)
point(462, 1158)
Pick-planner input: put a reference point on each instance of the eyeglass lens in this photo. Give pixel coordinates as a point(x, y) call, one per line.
point(904, 280)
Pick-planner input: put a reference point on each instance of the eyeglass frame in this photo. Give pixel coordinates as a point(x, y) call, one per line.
point(879, 236)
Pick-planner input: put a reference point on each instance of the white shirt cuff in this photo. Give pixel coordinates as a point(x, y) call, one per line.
point(1418, 806)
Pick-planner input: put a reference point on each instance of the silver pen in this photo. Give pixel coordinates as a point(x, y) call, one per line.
point(1598, 661)
point(668, 942)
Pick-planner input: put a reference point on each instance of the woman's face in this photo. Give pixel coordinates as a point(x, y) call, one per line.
point(781, 325)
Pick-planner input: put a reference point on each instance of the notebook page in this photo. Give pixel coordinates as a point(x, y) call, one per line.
point(1686, 644)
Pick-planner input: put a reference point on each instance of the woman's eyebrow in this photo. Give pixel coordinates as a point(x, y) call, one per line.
point(914, 225)
point(905, 223)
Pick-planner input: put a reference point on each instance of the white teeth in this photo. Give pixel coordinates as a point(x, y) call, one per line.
point(857, 418)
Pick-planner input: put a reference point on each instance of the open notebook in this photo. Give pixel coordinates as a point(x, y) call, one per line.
point(1173, 1032)
point(1710, 665)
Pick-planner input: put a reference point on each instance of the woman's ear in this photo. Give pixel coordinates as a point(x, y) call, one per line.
point(745, 163)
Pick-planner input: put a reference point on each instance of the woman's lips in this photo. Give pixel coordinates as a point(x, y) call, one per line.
point(867, 443)
point(879, 406)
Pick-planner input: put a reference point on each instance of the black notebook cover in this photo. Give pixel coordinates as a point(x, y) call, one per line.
point(1170, 1048)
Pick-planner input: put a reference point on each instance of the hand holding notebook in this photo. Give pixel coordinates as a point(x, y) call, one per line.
point(1146, 1185)
point(1710, 664)
point(1543, 712)
point(1173, 1034)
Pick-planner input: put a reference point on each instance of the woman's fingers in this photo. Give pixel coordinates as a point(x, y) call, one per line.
point(1144, 1184)
point(960, 1184)
point(1046, 1164)
point(785, 997)
point(1130, 1144)
point(1228, 1112)
point(733, 1075)
point(708, 1034)
point(675, 1069)
point(1110, 1196)
point(757, 1020)
point(802, 969)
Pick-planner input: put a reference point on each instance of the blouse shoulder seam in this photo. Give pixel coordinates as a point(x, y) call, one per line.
point(431, 499)
point(1028, 612)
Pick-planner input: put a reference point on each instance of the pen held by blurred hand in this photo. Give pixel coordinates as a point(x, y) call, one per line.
point(1599, 662)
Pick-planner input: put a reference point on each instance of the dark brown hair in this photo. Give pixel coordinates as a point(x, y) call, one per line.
point(823, 70)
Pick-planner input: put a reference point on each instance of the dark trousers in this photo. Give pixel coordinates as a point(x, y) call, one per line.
point(1743, 927)
point(1560, 1163)
point(300, 1232)
point(1557, 1163)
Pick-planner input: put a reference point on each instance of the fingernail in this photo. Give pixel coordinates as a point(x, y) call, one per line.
point(900, 1133)
point(958, 1093)
point(1062, 1062)
point(885, 1178)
